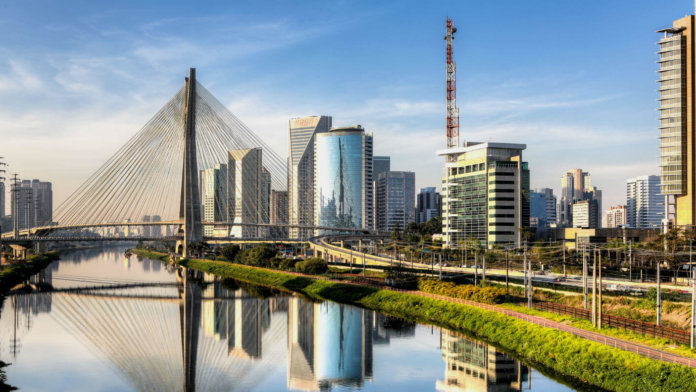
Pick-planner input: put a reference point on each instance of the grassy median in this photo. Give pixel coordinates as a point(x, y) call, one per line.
point(589, 363)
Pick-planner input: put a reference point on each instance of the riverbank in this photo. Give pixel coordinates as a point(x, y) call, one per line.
point(590, 363)
point(14, 274)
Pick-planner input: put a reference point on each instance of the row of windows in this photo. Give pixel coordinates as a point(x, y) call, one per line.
point(501, 224)
point(502, 182)
point(502, 199)
point(497, 190)
point(497, 232)
point(501, 207)
point(501, 215)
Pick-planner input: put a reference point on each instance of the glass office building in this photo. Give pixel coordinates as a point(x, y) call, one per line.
point(343, 178)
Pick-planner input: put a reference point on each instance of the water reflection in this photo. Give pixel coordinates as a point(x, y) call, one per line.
point(181, 330)
point(471, 365)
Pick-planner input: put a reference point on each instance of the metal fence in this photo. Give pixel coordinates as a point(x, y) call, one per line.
point(638, 326)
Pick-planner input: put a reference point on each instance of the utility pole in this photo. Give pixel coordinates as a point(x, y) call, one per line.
point(659, 296)
point(630, 260)
point(507, 268)
point(524, 267)
point(599, 310)
point(693, 310)
point(691, 266)
point(594, 290)
point(565, 275)
point(584, 274)
point(15, 213)
point(530, 298)
point(483, 274)
point(440, 266)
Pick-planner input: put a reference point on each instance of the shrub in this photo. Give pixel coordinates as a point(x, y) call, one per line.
point(230, 252)
point(259, 256)
point(489, 295)
point(312, 266)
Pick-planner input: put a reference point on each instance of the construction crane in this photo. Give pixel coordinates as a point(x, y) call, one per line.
point(452, 110)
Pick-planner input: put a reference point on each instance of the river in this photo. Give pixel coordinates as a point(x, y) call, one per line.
point(163, 329)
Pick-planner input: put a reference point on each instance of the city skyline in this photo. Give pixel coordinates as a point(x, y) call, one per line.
point(75, 91)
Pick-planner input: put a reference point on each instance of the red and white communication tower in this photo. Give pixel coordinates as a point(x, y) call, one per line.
point(452, 110)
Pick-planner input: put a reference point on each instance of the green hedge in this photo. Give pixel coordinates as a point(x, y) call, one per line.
point(587, 362)
point(489, 295)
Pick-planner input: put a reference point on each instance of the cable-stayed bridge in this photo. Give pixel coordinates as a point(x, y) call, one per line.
point(194, 172)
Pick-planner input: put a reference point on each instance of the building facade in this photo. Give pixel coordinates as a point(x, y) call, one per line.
point(542, 208)
point(485, 194)
point(279, 213)
point(343, 193)
point(395, 199)
point(301, 132)
point(576, 185)
point(645, 205)
point(248, 192)
point(22, 206)
point(585, 214)
point(43, 201)
point(616, 217)
point(676, 61)
point(428, 204)
point(214, 186)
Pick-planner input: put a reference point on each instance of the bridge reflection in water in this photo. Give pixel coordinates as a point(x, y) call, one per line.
point(205, 335)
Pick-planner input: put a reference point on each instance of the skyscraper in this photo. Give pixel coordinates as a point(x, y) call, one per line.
point(676, 51)
point(428, 204)
point(395, 199)
point(485, 194)
point(585, 214)
point(645, 206)
point(22, 207)
point(343, 178)
point(301, 170)
point(542, 208)
point(43, 201)
point(249, 183)
point(214, 186)
point(380, 164)
point(576, 185)
point(2, 199)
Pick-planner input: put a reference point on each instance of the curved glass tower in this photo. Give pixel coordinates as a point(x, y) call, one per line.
point(343, 178)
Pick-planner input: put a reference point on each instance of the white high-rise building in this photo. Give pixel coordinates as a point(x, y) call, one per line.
point(248, 192)
point(616, 217)
point(645, 206)
point(301, 187)
point(394, 200)
point(214, 187)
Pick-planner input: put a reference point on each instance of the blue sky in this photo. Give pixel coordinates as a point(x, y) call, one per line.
point(575, 81)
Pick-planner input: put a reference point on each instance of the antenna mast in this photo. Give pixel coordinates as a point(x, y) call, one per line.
point(452, 110)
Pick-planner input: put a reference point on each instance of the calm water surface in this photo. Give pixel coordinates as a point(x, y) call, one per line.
point(162, 330)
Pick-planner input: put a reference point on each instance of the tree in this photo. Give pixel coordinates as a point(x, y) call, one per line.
point(230, 252)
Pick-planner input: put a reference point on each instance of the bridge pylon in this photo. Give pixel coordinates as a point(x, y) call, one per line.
point(190, 208)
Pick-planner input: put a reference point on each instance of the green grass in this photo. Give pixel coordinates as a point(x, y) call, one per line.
point(14, 274)
point(586, 362)
point(150, 254)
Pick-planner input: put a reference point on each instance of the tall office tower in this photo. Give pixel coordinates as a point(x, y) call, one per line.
point(645, 206)
point(279, 213)
point(43, 198)
point(542, 208)
point(248, 183)
point(394, 200)
point(2, 199)
point(380, 164)
point(301, 171)
point(585, 214)
point(22, 207)
point(616, 216)
point(676, 51)
point(214, 187)
point(485, 194)
point(343, 193)
point(576, 185)
point(428, 204)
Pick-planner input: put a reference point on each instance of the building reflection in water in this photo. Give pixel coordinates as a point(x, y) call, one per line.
point(471, 365)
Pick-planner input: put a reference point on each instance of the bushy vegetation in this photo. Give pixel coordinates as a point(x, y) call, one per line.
point(150, 254)
point(13, 274)
point(593, 364)
point(4, 387)
point(488, 294)
point(230, 252)
point(259, 256)
point(312, 266)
